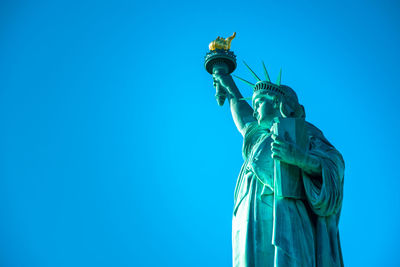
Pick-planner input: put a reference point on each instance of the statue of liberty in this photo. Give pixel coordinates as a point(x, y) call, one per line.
point(289, 191)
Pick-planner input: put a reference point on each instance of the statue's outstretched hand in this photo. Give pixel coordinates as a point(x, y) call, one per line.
point(224, 80)
point(290, 153)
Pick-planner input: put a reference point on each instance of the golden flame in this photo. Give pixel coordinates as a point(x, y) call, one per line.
point(221, 43)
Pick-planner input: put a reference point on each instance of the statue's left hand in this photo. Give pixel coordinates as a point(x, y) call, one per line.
point(287, 152)
point(290, 153)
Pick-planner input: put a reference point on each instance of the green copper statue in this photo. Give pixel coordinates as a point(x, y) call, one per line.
point(289, 191)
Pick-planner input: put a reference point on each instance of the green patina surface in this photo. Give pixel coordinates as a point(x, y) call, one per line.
point(289, 191)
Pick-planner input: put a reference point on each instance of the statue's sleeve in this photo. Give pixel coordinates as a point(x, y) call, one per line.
point(325, 193)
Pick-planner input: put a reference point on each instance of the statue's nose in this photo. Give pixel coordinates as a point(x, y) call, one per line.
point(255, 114)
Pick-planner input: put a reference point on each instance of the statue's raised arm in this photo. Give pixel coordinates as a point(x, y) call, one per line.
point(242, 113)
point(221, 62)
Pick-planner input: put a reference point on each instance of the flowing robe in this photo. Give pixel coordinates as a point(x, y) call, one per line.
point(278, 231)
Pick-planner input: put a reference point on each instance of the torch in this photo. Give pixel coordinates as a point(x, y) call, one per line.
point(220, 60)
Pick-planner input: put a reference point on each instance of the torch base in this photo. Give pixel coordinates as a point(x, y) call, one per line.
point(220, 56)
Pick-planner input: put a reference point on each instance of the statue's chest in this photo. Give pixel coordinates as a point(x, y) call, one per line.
point(261, 151)
point(261, 162)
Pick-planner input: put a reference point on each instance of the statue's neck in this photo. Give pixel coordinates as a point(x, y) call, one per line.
point(266, 124)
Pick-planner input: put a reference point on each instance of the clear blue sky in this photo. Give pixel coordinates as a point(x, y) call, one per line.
point(113, 151)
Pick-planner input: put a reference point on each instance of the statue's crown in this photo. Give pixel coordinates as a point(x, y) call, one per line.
point(267, 86)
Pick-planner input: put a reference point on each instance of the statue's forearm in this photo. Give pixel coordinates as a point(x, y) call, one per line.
point(311, 165)
point(242, 112)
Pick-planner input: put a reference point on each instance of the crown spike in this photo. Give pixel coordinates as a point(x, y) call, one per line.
point(266, 73)
point(252, 72)
point(243, 80)
point(278, 82)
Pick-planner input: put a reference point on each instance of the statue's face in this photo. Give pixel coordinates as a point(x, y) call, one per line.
point(265, 109)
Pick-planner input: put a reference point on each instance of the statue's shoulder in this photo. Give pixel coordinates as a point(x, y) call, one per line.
point(319, 144)
point(312, 130)
point(315, 134)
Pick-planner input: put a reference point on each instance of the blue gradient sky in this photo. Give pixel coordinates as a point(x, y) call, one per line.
point(113, 151)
